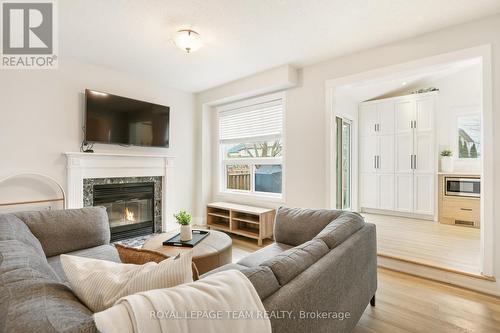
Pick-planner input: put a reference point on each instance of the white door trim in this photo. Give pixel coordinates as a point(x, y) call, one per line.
point(487, 197)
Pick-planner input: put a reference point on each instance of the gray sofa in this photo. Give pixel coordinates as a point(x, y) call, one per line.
point(322, 261)
point(322, 268)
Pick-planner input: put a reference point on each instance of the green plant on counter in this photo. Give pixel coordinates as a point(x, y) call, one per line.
point(446, 153)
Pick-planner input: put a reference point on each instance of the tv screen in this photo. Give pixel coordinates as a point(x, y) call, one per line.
point(120, 120)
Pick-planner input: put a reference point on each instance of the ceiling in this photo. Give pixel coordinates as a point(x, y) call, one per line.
point(402, 83)
point(243, 37)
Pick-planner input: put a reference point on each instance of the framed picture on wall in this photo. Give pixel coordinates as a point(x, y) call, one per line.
point(469, 136)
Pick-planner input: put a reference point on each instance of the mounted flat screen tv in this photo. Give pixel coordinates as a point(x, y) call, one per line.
point(119, 120)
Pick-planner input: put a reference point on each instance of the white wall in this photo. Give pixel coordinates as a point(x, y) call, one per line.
point(41, 115)
point(306, 151)
point(459, 93)
point(277, 79)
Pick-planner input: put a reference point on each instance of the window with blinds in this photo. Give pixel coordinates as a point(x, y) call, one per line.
point(250, 140)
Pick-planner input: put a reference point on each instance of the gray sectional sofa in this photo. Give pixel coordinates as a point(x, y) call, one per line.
point(321, 270)
point(322, 264)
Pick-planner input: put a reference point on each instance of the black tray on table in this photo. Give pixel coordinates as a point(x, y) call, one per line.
point(198, 236)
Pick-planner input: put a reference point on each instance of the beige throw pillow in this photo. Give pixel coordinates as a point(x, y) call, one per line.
point(100, 283)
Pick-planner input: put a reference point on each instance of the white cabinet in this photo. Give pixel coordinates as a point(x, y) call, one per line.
point(385, 159)
point(368, 149)
point(423, 202)
point(368, 119)
point(385, 118)
point(403, 154)
point(404, 114)
point(424, 114)
point(397, 154)
point(377, 155)
point(386, 191)
point(404, 193)
point(376, 119)
point(424, 160)
point(369, 181)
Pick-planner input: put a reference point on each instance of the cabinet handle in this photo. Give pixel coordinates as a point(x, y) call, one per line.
point(415, 162)
point(466, 209)
point(375, 161)
point(411, 162)
point(378, 161)
point(375, 127)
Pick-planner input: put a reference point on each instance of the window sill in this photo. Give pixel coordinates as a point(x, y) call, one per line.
point(251, 197)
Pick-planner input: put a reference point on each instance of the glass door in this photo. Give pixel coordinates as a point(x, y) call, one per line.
point(344, 163)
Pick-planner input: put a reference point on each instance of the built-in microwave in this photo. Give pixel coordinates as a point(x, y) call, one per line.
point(463, 187)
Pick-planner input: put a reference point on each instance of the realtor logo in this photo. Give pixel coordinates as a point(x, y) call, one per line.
point(28, 34)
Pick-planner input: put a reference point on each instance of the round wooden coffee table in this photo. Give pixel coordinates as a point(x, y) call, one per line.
point(212, 252)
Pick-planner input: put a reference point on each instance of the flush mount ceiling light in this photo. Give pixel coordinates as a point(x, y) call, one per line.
point(188, 40)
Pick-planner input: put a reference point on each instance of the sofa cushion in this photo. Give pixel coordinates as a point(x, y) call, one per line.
point(117, 280)
point(12, 228)
point(262, 277)
point(103, 252)
point(32, 299)
point(341, 228)
point(63, 231)
point(258, 257)
point(295, 226)
point(223, 268)
point(287, 265)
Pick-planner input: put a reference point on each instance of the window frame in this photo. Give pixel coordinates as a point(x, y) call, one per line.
point(252, 162)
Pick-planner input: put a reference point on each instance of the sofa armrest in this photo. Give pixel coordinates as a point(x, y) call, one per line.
point(343, 281)
point(62, 231)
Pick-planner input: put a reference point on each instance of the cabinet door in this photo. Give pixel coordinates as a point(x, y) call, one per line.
point(403, 152)
point(386, 153)
point(386, 191)
point(368, 118)
point(386, 118)
point(404, 114)
point(424, 194)
point(424, 150)
point(404, 192)
point(424, 113)
point(369, 190)
point(368, 150)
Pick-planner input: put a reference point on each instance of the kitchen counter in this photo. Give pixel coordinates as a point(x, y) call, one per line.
point(455, 173)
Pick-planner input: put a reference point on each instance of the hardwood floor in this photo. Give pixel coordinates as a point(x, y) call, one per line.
point(427, 242)
point(410, 304)
point(243, 246)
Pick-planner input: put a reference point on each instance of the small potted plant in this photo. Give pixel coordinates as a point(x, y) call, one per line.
point(184, 219)
point(447, 160)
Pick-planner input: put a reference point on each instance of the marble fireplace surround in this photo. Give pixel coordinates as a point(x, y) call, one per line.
point(82, 166)
point(88, 192)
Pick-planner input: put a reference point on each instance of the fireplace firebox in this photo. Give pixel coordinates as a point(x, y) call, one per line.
point(130, 208)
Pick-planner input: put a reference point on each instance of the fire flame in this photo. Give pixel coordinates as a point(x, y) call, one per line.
point(129, 215)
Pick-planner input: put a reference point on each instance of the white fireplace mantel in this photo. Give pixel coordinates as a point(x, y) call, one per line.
point(81, 166)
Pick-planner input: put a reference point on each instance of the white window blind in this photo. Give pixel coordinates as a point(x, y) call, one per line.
point(256, 122)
